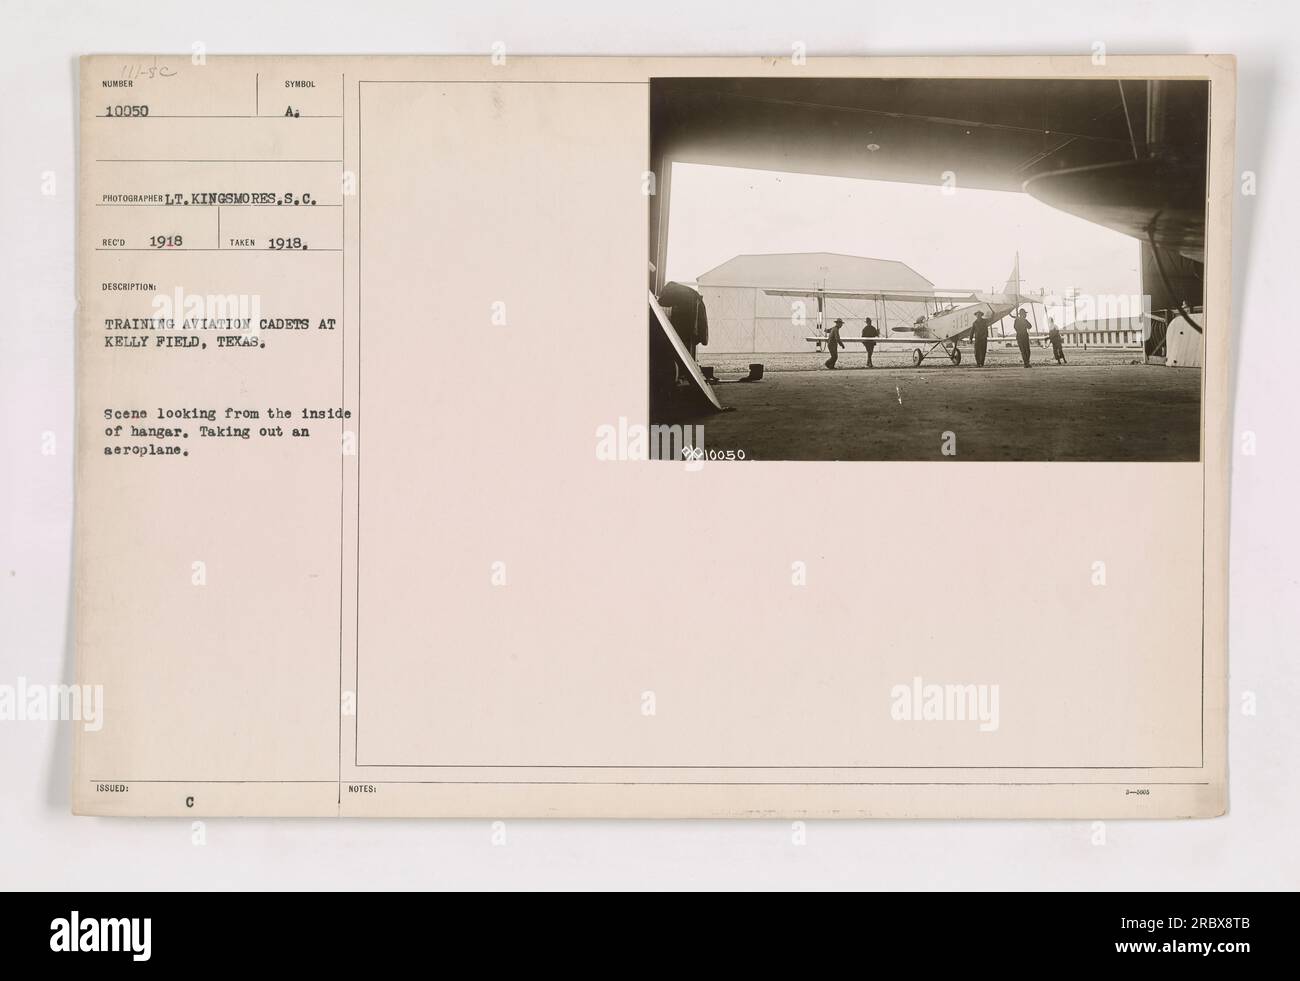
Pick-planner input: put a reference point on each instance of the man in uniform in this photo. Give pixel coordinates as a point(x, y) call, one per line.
point(870, 330)
point(833, 343)
point(1058, 348)
point(1021, 327)
point(980, 333)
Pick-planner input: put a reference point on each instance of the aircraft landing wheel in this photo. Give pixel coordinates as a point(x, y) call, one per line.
point(916, 357)
point(956, 356)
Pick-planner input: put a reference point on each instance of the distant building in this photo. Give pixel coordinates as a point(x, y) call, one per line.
point(1110, 332)
point(743, 318)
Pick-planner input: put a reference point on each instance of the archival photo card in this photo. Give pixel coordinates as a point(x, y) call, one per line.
point(668, 437)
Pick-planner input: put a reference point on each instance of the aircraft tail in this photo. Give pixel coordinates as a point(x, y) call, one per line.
point(1013, 284)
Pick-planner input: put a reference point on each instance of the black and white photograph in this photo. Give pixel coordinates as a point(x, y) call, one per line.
point(930, 268)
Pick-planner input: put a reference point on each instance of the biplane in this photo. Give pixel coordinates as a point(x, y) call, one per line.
point(949, 315)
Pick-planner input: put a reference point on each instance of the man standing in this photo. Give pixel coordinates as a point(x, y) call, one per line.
point(1058, 349)
point(870, 330)
point(1021, 327)
point(833, 343)
point(980, 332)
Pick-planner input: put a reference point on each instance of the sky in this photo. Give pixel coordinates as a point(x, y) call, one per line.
point(964, 240)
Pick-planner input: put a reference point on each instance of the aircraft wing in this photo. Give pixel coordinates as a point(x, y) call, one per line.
point(899, 296)
point(914, 340)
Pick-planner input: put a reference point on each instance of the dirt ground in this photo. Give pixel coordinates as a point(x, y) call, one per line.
point(1103, 405)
